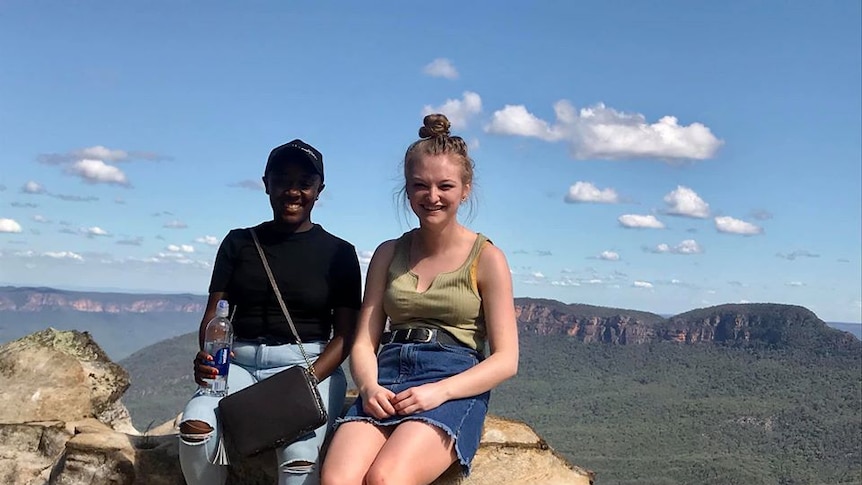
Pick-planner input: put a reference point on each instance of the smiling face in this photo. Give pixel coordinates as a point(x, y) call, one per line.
point(293, 187)
point(436, 188)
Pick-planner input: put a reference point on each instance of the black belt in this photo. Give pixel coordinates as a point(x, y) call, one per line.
point(417, 335)
point(269, 340)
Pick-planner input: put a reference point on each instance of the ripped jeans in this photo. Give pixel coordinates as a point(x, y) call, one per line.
point(251, 363)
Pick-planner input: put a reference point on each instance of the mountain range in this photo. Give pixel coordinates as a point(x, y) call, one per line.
point(123, 323)
point(747, 393)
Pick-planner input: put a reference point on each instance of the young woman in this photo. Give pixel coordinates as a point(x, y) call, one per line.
point(318, 275)
point(445, 290)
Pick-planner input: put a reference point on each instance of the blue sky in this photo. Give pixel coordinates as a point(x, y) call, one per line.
point(662, 156)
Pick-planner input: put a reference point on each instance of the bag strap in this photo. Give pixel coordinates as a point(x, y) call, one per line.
point(308, 363)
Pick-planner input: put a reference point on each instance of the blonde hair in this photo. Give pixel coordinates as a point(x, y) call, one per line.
point(435, 139)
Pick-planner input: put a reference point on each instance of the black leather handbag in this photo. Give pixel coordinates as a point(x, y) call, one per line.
point(278, 410)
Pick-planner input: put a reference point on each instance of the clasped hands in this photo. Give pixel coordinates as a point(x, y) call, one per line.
point(382, 403)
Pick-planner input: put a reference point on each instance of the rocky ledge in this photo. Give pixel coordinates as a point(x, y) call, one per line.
point(61, 423)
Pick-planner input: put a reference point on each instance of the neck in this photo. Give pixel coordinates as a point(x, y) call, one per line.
point(287, 227)
point(434, 239)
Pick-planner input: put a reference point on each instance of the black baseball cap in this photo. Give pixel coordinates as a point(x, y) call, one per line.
point(296, 150)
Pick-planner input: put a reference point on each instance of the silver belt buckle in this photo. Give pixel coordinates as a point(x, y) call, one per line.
point(428, 334)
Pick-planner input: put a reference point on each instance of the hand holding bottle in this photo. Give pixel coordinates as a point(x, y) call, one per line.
point(213, 362)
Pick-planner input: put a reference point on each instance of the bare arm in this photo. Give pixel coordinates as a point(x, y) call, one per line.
point(372, 318)
point(344, 325)
point(495, 287)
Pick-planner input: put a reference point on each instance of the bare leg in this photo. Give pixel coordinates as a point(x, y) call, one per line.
point(352, 451)
point(416, 453)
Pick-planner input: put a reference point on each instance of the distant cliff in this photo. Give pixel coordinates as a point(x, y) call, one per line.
point(750, 324)
point(587, 323)
point(154, 317)
point(49, 299)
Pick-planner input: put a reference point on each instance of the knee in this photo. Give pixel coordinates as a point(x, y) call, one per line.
point(297, 467)
point(339, 475)
point(194, 431)
point(381, 474)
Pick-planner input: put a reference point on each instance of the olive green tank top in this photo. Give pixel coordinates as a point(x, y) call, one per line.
point(451, 302)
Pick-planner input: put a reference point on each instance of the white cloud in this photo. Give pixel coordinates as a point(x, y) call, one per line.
point(182, 248)
point(688, 246)
point(735, 226)
point(565, 281)
point(516, 120)
point(594, 281)
point(599, 132)
point(172, 255)
point(685, 202)
point(9, 225)
point(441, 67)
point(795, 283)
point(175, 225)
point(32, 187)
point(587, 192)
point(609, 256)
point(640, 222)
point(95, 231)
point(40, 218)
point(208, 240)
point(538, 275)
point(63, 255)
point(642, 284)
point(97, 171)
point(459, 111)
point(99, 152)
point(364, 256)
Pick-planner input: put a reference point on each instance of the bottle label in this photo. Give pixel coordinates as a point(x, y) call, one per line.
point(221, 361)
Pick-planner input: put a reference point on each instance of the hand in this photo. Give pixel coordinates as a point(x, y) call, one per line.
point(417, 399)
point(376, 402)
point(203, 369)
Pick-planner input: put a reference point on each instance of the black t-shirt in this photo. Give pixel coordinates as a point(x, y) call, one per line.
point(315, 271)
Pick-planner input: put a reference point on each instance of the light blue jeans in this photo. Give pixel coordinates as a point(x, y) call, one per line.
point(252, 363)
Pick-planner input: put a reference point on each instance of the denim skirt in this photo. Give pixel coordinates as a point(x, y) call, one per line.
point(402, 366)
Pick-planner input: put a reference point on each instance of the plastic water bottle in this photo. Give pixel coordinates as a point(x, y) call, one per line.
point(218, 340)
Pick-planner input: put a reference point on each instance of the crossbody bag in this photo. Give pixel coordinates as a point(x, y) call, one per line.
point(278, 410)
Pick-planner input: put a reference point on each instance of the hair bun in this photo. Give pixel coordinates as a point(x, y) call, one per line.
point(435, 126)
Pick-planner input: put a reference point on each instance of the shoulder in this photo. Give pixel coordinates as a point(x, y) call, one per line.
point(235, 236)
point(491, 257)
point(321, 234)
point(384, 254)
point(387, 248)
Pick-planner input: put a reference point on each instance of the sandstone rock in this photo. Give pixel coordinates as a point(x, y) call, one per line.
point(512, 453)
point(53, 375)
point(62, 423)
point(28, 451)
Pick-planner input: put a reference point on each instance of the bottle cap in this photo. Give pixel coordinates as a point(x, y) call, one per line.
point(222, 308)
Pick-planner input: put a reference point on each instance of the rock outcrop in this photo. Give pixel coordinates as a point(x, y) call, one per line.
point(61, 424)
point(585, 322)
point(27, 300)
point(61, 376)
point(749, 324)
